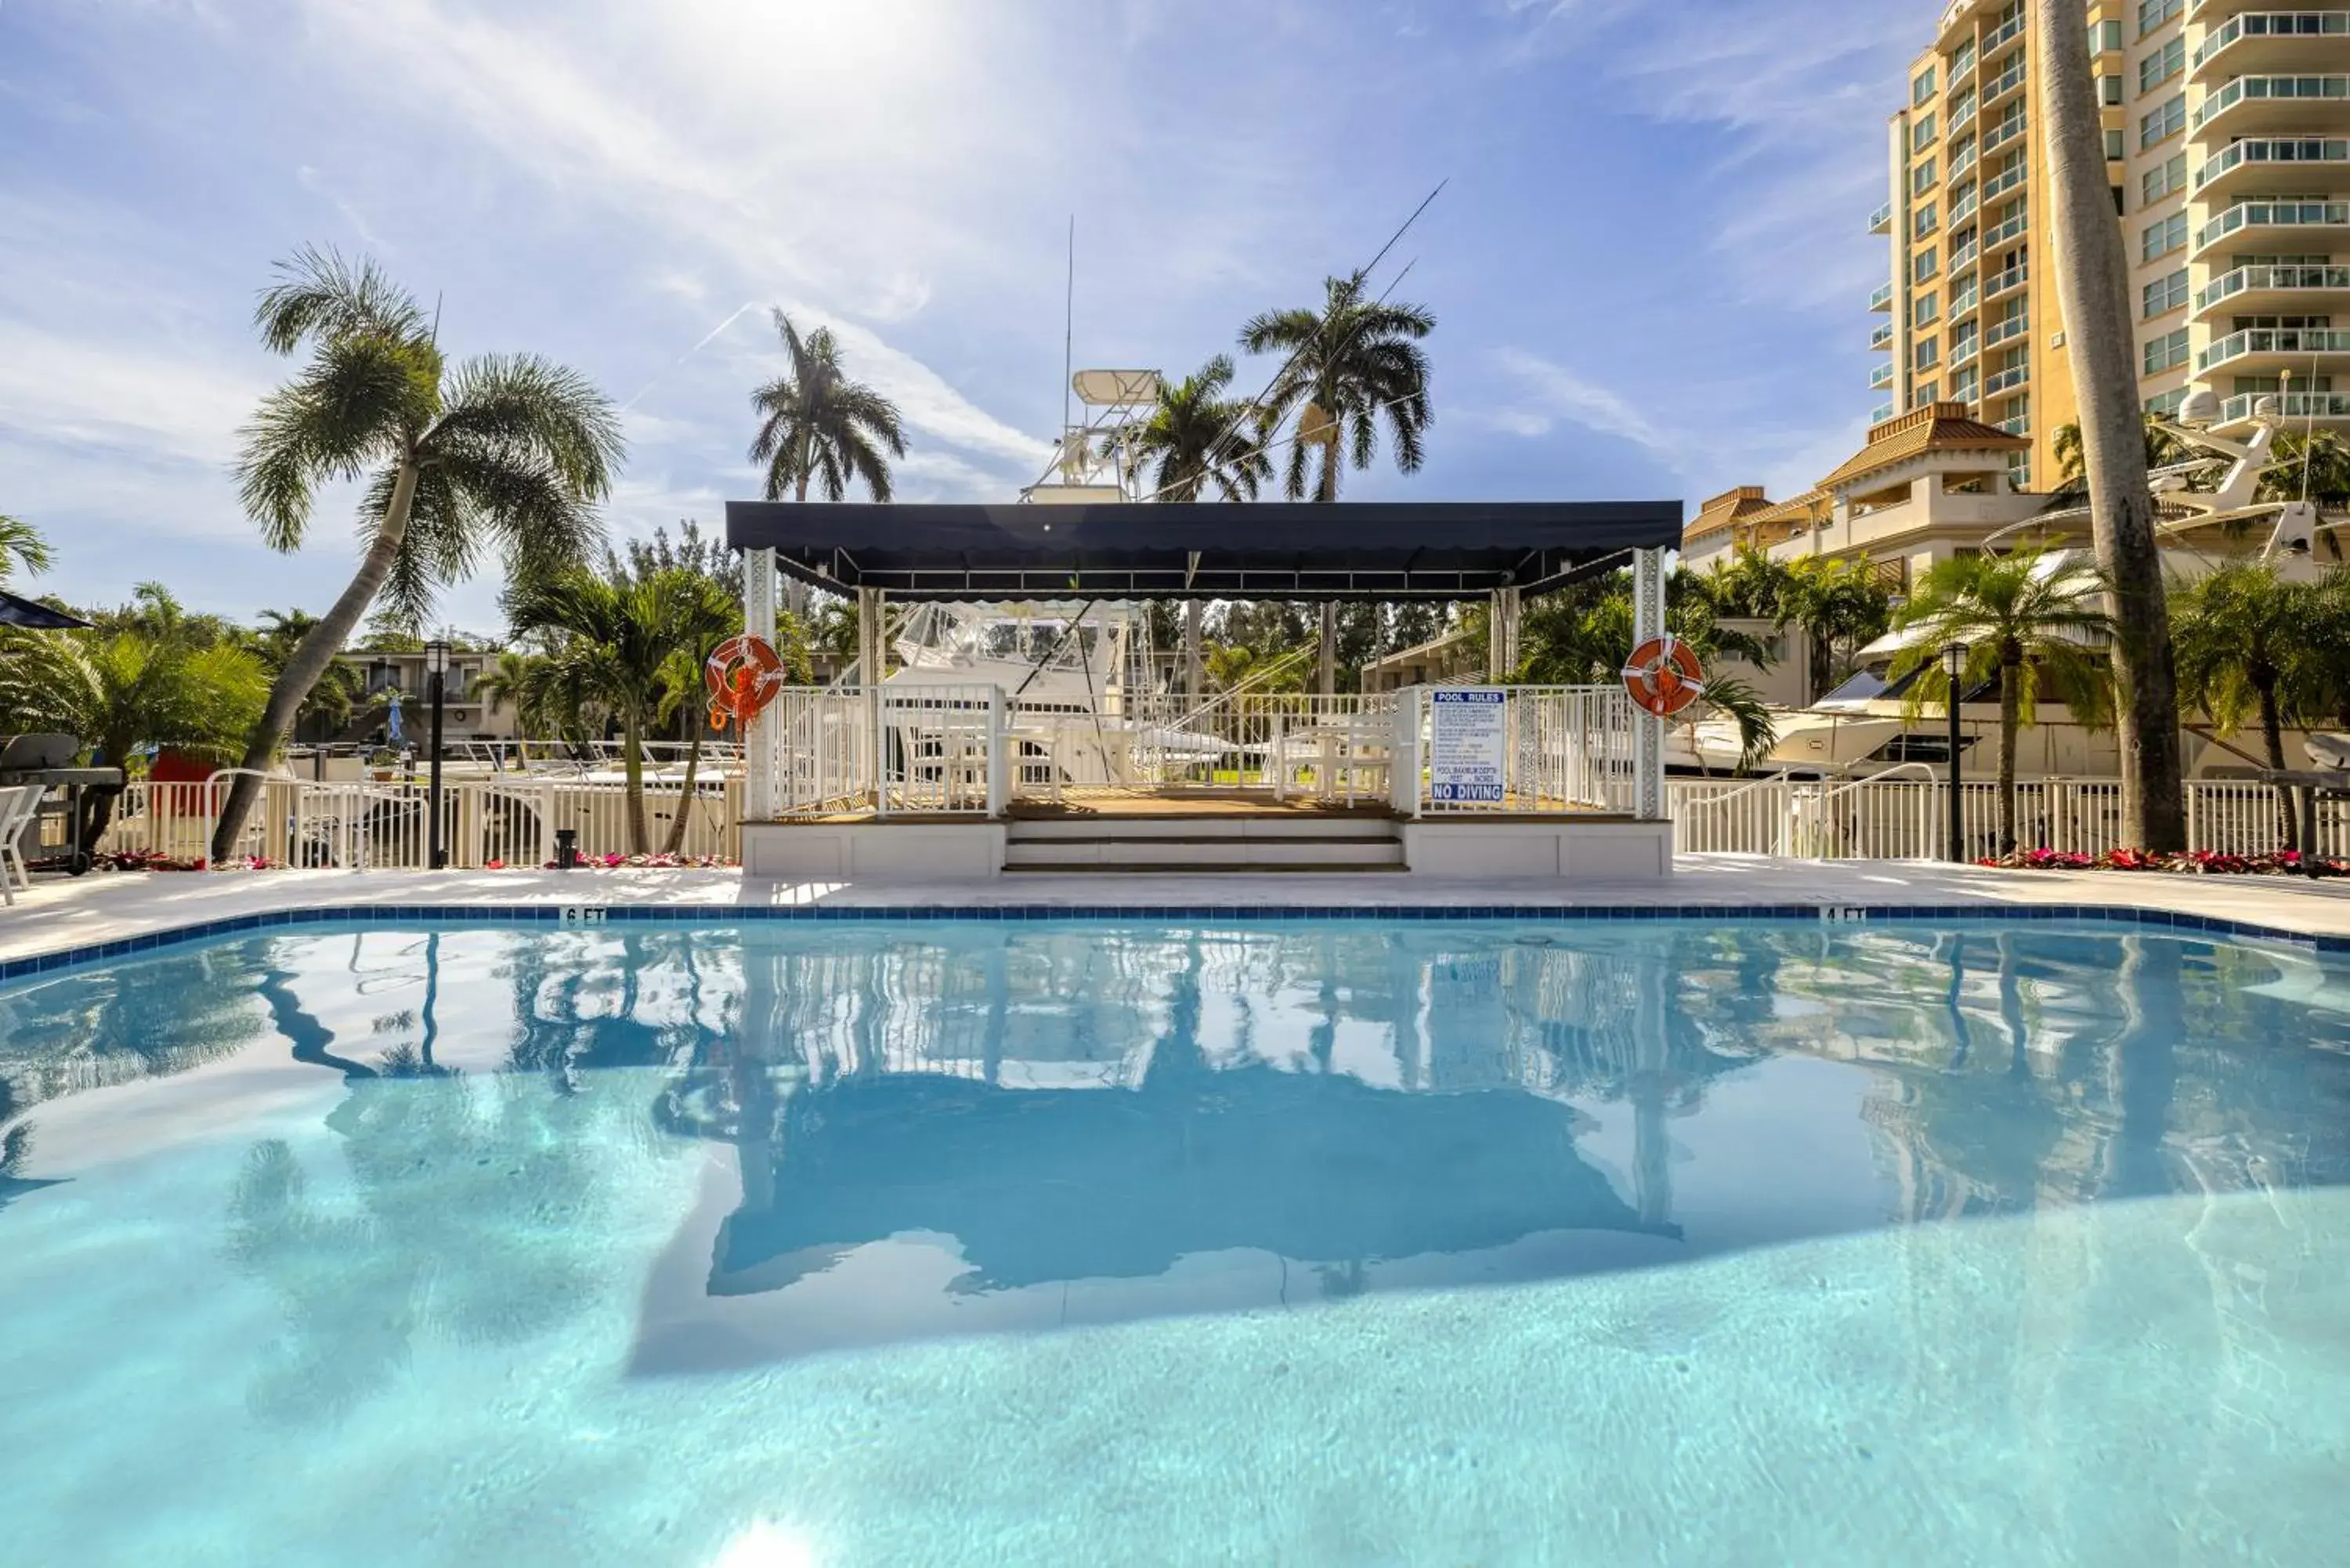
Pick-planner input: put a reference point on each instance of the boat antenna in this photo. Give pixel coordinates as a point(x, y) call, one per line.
point(436, 319)
point(1069, 333)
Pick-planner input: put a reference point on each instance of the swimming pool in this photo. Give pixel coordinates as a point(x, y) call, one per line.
point(1268, 1242)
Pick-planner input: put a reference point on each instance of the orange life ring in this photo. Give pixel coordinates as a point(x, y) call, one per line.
point(744, 674)
point(1664, 676)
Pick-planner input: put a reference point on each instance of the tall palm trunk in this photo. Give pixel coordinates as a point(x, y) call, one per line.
point(2272, 736)
point(794, 590)
point(632, 766)
point(2012, 676)
point(675, 844)
point(311, 658)
point(2092, 286)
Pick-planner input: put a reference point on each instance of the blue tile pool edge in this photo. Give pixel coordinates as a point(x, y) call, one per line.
point(736, 914)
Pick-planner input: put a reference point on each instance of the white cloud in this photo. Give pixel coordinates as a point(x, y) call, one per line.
point(1553, 395)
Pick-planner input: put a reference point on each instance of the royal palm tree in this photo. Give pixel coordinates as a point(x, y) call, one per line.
point(2249, 649)
point(338, 697)
point(508, 680)
point(21, 547)
point(815, 425)
point(2093, 289)
point(1353, 365)
point(2034, 620)
point(612, 637)
point(503, 453)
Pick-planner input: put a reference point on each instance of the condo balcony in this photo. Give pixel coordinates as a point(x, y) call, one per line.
point(1880, 377)
point(2296, 103)
point(2271, 290)
point(2006, 133)
point(2005, 87)
point(2014, 227)
point(2006, 380)
point(2259, 163)
point(2260, 42)
point(1883, 298)
point(2001, 284)
point(2007, 331)
point(2002, 36)
point(1880, 222)
point(2272, 349)
point(2286, 224)
point(2326, 408)
point(1882, 338)
point(1879, 414)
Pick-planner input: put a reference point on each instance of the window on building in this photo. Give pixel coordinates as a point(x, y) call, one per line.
point(2109, 91)
point(2153, 13)
point(2160, 66)
point(1925, 221)
point(1930, 353)
point(1924, 266)
point(2116, 148)
point(2168, 405)
point(2167, 352)
point(2163, 237)
point(1923, 311)
point(1928, 393)
point(2166, 295)
point(2165, 179)
point(2162, 123)
point(1921, 91)
point(1921, 178)
point(1921, 134)
point(2105, 37)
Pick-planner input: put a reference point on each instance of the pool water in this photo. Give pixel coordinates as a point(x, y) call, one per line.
point(1357, 1243)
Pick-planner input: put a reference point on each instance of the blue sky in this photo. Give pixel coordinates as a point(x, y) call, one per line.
point(1650, 269)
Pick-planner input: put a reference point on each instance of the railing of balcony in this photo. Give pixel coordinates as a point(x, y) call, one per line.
point(2273, 24)
point(2287, 213)
point(2248, 279)
point(2273, 340)
point(1999, 36)
point(1880, 377)
point(2007, 380)
point(2290, 406)
point(2007, 130)
point(2257, 89)
point(1881, 220)
point(2007, 331)
point(2013, 278)
point(1882, 297)
point(2295, 150)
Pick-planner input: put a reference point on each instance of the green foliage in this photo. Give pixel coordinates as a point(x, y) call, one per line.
point(2249, 648)
point(2162, 450)
point(1359, 361)
point(2328, 476)
point(341, 692)
point(1196, 441)
point(21, 548)
point(816, 424)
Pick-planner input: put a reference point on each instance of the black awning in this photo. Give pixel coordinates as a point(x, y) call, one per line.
point(1451, 550)
point(14, 611)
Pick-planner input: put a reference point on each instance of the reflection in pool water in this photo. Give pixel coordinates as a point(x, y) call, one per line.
point(961, 1242)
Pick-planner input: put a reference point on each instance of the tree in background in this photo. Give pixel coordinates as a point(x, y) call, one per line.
point(815, 425)
point(341, 691)
point(124, 688)
point(608, 640)
point(499, 452)
point(1196, 443)
point(2162, 450)
point(2093, 287)
point(1354, 365)
point(2248, 650)
point(21, 548)
point(2034, 621)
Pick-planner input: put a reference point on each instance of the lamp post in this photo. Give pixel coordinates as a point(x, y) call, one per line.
point(1954, 665)
point(436, 666)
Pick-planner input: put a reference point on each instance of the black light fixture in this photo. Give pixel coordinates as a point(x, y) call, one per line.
point(1954, 665)
point(436, 670)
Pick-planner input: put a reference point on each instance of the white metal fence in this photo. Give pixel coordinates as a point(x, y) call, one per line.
point(387, 826)
point(1565, 749)
point(928, 750)
point(1902, 815)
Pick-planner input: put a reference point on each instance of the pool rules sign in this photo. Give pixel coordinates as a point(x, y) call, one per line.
point(1468, 746)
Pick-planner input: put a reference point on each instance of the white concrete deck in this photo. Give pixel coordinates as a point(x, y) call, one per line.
point(109, 906)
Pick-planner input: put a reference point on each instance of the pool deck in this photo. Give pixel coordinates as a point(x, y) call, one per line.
point(58, 914)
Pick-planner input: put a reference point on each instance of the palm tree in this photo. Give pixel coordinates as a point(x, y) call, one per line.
point(1193, 440)
point(2248, 649)
point(121, 691)
point(21, 546)
point(2021, 616)
point(614, 636)
point(2327, 481)
point(509, 681)
point(2093, 289)
point(328, 709)
point(1840, 604)
point(2162, 450)
point(505, 452)
point(1352, 364)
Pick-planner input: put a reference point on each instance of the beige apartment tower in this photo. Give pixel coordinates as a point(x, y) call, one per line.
point(2227, 129)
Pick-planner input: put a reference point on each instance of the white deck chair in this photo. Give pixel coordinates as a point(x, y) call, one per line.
point(18, 805)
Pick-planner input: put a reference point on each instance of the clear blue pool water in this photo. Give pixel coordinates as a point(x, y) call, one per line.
point(1345, 1244)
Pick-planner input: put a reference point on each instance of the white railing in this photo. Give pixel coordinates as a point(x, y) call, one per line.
point(387, 825)
point(1893, 817)
point(1566, 750)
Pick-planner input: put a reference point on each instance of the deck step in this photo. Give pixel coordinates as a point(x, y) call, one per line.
point(1194, 829)
point(1197, 868)
point(1181, 852)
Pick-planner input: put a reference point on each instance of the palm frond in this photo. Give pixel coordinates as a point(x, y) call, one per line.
point(321, 296)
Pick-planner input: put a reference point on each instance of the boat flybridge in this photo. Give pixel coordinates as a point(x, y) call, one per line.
point(2208, 515)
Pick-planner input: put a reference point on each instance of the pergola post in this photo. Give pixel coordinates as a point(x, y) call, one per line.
point(759, 793)
point(1647, 729)
point(1502, 635)
point(870, 667)
point(1194, 679)
point(1329, 682)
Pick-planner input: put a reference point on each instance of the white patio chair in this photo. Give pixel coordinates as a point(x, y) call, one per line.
point(18, 805)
